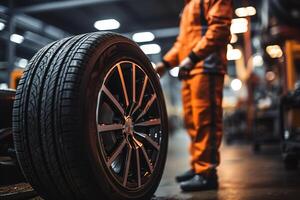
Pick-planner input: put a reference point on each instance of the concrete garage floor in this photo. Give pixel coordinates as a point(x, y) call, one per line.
point(242, 174)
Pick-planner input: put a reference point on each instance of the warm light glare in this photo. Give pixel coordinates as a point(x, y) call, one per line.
point(151, 48)
point(174, 72)
point(234, 38)
point(236, 84)
point(233, 54)
point(16, 38)
point(239, 25)
point(274, 51)
point(270, 76)
point(245, 11)
point(107, 24)
point(143, 37)
point(2, 26)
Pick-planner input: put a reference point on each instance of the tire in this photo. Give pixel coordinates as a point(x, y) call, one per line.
point(6, 105)
point(89, 120)
point(291, 162)
point(256, 148)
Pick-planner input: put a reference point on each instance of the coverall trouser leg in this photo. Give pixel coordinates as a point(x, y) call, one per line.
point(202, 105)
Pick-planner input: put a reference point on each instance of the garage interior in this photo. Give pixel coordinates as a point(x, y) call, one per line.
point(260, 150)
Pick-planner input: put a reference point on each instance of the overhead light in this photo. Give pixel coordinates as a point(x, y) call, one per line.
point(229, 47)
point(143, 37)
point(245, 11)
point(151, 48)
point(16, 38)
point(241, 12)
point(174, 72)
point(251, 10)
point(107, 24)
point(274, 51)
point(22, 63)
point(257, 61)
point(234, 38)
point(239, 25)
point(2, 26)
point(236, 84)
point(241, 20)
point(233, 54)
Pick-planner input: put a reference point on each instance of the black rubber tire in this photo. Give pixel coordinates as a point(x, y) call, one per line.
point(291, 161)
point(256, 147)
point(6, 104)
point(54, 118)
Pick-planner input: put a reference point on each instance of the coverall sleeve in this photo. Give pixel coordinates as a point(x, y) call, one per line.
point(219, 18)
point(171, 58)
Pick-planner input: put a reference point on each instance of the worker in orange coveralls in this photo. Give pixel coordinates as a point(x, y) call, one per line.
point(200, 53)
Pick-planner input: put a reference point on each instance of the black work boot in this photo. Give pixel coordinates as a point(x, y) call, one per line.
point(185, 176)
point(200, 182)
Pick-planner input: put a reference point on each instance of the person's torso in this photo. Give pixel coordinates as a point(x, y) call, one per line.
point(193, 27)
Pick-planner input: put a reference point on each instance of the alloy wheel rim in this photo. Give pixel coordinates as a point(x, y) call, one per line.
point(128, 119)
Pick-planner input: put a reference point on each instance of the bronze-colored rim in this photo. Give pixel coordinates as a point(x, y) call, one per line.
point(129, 125)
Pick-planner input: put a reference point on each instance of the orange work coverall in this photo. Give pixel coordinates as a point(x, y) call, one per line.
point(204, 35)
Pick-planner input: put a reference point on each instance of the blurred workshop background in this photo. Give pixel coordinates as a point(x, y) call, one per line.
point(262, 88)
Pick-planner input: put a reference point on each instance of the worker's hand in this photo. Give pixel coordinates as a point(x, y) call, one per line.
point(184, 68)
point(160, 69)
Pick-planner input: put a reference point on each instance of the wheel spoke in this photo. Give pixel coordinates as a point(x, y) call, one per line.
point(127, 166)
point(147, 159)
point(149, 139)
point(113, 99)
point(111, 127)
point(116, 153)
point(138, 167)
point(142, 94)
point(137, 142)
point(148, 105)
point(143, 90)
point(133, 83)
point(151, 122)
point(123, 84)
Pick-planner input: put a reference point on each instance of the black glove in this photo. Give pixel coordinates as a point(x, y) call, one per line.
point(184, 73)
point(184, 68)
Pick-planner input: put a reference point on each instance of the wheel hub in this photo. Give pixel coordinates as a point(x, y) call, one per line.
point(128, 126)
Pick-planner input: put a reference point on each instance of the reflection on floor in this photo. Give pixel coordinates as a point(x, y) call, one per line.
point(242, 175)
